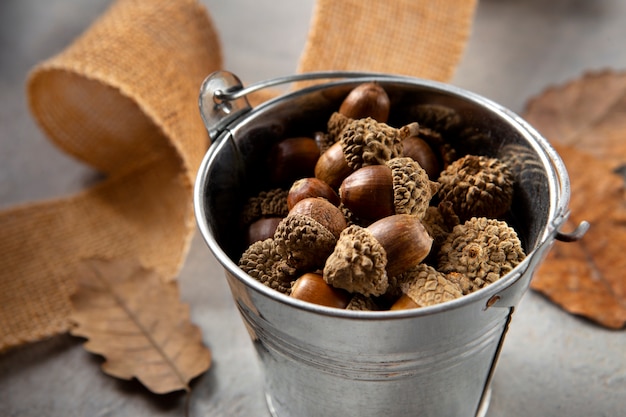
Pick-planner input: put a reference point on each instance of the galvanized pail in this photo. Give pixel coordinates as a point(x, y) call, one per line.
point(319, 361)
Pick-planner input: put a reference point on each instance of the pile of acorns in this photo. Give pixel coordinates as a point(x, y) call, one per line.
point(377, 217)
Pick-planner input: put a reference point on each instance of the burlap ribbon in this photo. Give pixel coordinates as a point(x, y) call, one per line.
point(123, 98)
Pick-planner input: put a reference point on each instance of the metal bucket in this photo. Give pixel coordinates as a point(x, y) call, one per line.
point(320, 361)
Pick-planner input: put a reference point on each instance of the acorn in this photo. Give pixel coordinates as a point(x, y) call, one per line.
point(364, 258)
point(405, 240)
point(291, 159)
point(312, 288)
point(322, 211)
point(332, 166)
point(400, 186)
point(262, 229)
point(366, 100)
point(311, 187)
point(420, 151)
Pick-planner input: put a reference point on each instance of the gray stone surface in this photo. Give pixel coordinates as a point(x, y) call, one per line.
point(552, 364)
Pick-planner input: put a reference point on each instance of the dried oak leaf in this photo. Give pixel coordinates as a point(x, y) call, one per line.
point(585, 120)
point(587, 113)
point(137, 322)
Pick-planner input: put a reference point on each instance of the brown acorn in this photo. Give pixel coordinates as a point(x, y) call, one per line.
point(366, 100)
point(293, 158)
point(262, 229)
point(400, 186)
point(332, 167)
point(364, 258)
point(323, 212)
point(311, 187)
point(368, 193)
point(405, 240)
point(420, 151)
point(312, 288)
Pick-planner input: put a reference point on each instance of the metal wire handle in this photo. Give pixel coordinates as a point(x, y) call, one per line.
point(237, 92)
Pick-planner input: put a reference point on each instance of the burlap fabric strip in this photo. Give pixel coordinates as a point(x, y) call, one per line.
point(123, 98)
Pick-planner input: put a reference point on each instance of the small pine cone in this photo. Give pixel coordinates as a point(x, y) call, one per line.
point(368, 142)
point(360, 302)
point(477, 186)
point(263, 263)
point(412, 189)
point(426, 286)
point(439, 118)
point(484, 250)
point(357, 263)
point(303, 242)
point(336, 123)
point(271, 203)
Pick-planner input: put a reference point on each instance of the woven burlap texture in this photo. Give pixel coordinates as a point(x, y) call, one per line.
point(123, 98)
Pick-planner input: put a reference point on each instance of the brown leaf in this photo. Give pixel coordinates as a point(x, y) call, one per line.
point(586, 121)
point(587, 113)
point(137, 322)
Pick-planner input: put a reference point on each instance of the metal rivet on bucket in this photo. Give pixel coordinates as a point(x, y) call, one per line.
point(320, 361)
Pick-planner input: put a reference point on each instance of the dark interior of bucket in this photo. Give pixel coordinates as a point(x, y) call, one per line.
point(239, 169)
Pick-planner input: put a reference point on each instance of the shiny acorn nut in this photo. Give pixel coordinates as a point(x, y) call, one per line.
point(332, 167)
point(262, 229)
point(405, 240)
point(310, 187)
point(312, 288)
point(420, 151)
point(292, 158)
point(366, 100)
point(368, 193)
point(322, 211)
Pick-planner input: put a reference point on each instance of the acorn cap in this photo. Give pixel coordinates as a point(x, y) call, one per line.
point(261, 261)
point(302, 242)
point(335, 125)
point(477, 186)
point(269, 203)
point(412, 189)
point(357, 263)
point(426, 286)
point(368, 142)
point(482, 249)
point(360, 302)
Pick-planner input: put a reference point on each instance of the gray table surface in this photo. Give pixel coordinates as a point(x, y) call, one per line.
point(553, 364)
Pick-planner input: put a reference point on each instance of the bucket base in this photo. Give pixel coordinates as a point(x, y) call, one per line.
point(482, 409)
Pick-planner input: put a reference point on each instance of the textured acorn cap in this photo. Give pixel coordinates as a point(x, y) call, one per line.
point(439, 221)
point(412, 189)
point(334, 127)
point(262, 262)
point(482, 249)
point(357, 263)
point(360, 302)
point(477, 186)
point(303, 242)
point(368, 142)
point(426, 286)
point(269, 203)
